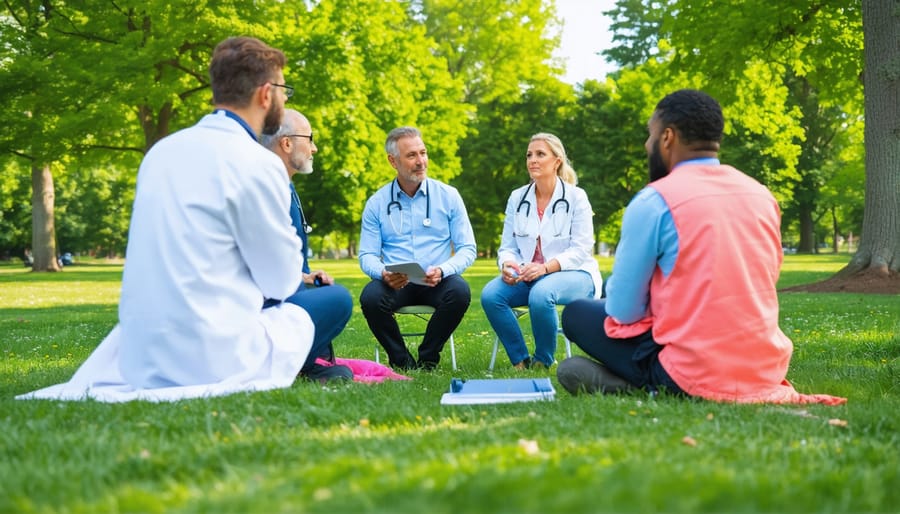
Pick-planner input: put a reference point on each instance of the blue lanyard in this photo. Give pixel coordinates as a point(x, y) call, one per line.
point(238, 119)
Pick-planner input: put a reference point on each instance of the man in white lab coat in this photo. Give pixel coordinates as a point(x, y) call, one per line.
point(210, 238)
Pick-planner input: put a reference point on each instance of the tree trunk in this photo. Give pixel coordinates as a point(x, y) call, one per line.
point(835, 234)
point(43, 229)
point(879, 247)
point(807, 242)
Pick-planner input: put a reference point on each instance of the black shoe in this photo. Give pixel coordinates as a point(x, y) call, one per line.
point(582, 375)
point(405, 365)
point(427, 365)
point(323, 374)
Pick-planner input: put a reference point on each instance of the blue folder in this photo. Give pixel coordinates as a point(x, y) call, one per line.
point(467, 392)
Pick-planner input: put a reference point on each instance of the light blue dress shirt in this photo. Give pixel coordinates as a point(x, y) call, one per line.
point(649, 239)
point(447, 241)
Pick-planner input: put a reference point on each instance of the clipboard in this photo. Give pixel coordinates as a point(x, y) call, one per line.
point(483, 391)
point(411, 269)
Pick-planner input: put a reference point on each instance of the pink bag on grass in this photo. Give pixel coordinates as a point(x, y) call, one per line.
point(365, 370)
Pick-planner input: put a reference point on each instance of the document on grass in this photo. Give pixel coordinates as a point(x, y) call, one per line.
point(411, 269)
point(470, 392)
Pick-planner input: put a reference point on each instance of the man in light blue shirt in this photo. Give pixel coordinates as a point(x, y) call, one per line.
point(420, 220)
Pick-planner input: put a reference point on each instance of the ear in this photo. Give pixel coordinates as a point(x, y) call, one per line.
point(264, 96)
point(392, 161)
point(668, 137)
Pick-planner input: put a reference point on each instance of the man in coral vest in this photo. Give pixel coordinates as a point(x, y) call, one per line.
point(691, 305)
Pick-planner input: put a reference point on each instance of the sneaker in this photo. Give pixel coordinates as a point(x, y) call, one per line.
point(324, 374)
point(582, 375)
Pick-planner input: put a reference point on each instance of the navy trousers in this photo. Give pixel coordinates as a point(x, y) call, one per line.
point(450, 299)
point(330, 308)
point(635, 359)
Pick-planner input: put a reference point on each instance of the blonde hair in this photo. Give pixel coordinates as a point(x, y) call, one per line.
point(565, 171)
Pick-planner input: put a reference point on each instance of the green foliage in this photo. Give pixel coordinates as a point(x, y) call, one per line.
point(636, 28)
point(356, 81)
point(15, 210)
point(809, 55)
point(392, 447)
point(93, 208)
point(477, 77)
point(494, 153)
point(605, 137)
point(787, 76)
point(496, 48)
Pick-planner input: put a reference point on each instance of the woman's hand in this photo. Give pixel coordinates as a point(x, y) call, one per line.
point(510, 272)
point(533, 271)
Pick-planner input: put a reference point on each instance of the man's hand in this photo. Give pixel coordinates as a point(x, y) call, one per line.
point(395, 280)
point(434, 276)
point(318, 278)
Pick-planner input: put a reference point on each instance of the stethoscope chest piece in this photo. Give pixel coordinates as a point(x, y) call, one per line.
point(394, 205)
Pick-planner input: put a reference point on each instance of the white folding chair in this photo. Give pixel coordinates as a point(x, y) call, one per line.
point(423, 312)
point(519, 312)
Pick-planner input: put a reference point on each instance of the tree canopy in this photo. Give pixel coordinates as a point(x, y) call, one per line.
point(91, 85)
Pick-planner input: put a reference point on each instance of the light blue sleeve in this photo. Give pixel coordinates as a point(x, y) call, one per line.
point(370, 260)
point(462, 235)
point(648, 240)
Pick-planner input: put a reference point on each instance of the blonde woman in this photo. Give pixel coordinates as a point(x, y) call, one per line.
point(545, 256)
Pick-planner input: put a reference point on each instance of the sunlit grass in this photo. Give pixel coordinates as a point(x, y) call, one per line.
point(393, 448)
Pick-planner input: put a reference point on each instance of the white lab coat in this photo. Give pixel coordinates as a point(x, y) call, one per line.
point(566, 235)
point(210, 237)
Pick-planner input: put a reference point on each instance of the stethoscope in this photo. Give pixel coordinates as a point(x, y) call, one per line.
point(395, 203)
point(303, 223)
point(522, 221)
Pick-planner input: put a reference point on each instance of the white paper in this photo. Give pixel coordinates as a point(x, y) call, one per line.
point(412, 270)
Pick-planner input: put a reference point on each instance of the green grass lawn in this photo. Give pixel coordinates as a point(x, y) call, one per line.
point(393, 448)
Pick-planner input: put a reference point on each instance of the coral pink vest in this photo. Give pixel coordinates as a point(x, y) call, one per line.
point(717, 312)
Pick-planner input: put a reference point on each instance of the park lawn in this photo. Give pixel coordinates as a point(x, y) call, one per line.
point(393, 448)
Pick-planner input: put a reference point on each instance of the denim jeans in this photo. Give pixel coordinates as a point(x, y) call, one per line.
point(541, 296)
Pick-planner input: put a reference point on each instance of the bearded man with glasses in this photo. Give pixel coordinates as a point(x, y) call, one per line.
point(329, 304)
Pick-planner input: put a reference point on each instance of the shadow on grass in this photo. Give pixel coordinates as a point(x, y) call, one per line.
point(93, 272)
point(60, 315)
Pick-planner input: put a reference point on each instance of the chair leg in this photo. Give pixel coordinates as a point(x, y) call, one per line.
point(452, 352)
point(494, 353)
point(376, 353)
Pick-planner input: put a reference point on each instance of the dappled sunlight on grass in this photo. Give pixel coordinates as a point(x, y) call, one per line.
point(392, 447)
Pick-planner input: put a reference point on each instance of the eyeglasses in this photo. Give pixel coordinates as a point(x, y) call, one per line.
point(288, 90)
point(310, 136)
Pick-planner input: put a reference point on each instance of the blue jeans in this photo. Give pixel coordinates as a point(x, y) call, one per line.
point(541, 296)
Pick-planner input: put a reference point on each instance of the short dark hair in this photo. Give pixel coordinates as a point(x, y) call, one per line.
point(239, 65)
point(694, 114)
